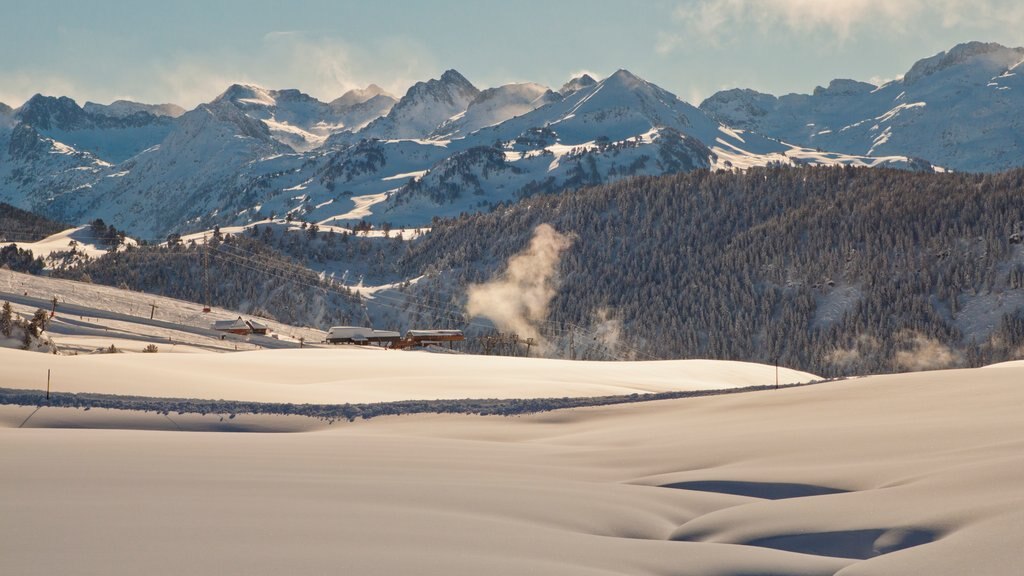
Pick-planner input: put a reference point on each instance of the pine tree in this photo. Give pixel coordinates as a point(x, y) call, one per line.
point(6, 320)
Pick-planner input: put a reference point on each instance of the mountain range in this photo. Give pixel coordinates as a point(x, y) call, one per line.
point(446, 147)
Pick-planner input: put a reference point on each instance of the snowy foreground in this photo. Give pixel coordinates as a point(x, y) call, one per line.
point(904, 474)
point(907, 474)
point(363, 374)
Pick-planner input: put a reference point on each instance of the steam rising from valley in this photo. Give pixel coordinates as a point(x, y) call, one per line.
point(517, 300)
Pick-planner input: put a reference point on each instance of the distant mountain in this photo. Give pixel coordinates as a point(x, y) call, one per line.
point(124, 108)
point(446, 147)
point(359, 96)
point(111, 138)
point(494, 106)
point(36, 169)
point(5, 110)
point(293, 118)
point(357, 108)
point(204, 162)
point(621, 126)
point(423, 108)
point(577, 83)
point(962, 109)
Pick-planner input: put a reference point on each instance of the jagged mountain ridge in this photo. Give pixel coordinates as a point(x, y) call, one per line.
point(241, 158)
point(226, 162)
point(112, 138)
point(124, 108)
point(423, 108)
point(960, 109)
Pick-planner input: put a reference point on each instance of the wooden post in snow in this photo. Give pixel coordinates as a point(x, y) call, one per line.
point(152, 310)
point(47, 383)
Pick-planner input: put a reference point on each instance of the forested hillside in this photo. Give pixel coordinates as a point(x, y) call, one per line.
point(18, 225)
point(241, 273)
point(837, 271)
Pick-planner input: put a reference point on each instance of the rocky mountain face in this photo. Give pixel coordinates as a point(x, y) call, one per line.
point(423, 108)
point(446, 147)
point(125, 108)
point(960, 109)
point(109, 137)
point(495, 105)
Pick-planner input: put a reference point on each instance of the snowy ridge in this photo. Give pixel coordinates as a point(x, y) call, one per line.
point(423, 108)
point(959, 109)
point(253, 153)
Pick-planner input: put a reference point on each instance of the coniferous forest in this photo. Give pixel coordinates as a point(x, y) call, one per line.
point(838, 271)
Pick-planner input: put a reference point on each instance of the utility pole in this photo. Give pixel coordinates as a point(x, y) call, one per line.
point(529, 342)
point(206, 273)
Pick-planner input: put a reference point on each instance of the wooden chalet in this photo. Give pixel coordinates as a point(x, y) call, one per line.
point(258, 327)
point(237, 326)
point(419, 338)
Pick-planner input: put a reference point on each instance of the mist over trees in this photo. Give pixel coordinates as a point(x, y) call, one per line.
point(837, 271)
point(834, 270)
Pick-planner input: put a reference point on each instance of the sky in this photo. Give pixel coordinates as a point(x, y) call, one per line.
point(188, 51)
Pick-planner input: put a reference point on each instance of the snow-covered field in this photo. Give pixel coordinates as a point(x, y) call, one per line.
point(902, 474)
point(908, 474)
point(91, 316)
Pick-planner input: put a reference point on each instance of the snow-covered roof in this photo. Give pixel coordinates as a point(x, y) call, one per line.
point(236, 324)
point(257, 325)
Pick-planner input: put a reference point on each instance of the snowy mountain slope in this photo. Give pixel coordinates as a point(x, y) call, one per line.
point(960, 109)
point(340, 185)
point(5, 110)
point(202, 167)
point(423, 108)
point(124, 108)
point(621, 126)
point(494, 106)
point(358, 107)
point(111, 138)
point(445, 147)
point(292, 117)
point(68, 247)
point(35, 169)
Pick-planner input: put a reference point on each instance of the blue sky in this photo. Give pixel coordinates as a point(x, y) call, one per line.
point(188, 51)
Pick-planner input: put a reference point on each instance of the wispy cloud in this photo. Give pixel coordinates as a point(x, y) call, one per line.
point(18, 87)
point(718, 22)
point(322, 65)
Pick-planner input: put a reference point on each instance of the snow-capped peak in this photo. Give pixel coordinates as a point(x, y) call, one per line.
point(997, 54)
point(359, 96)
point(577, 83)
point(495, 105)
point(125, 108)
point(247, 94)
point(424, 107)
point(845, 87)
